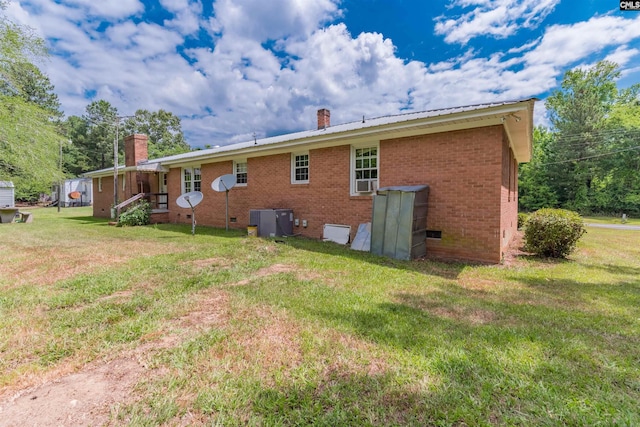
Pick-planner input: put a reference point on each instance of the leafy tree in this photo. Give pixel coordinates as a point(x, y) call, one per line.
point(30, 138)
point(35, 87)
point(585, 98)
point(621, 170)
point(76, 155)
point(592, 125)
point(163, 129)
point(18, 45)
point(534, 189)
point(100, 118)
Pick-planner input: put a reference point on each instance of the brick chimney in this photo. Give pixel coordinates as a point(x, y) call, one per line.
point(135, 149)
point(324, 118)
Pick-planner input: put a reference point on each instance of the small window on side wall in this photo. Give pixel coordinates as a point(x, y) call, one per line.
point(191, 180)
point(241, 172)
point(300, 168)
point(100, 185)
point(364, 169)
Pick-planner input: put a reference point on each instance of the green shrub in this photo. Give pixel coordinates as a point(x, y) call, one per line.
point(522, 219)
point(137, 214)
point(553, 232)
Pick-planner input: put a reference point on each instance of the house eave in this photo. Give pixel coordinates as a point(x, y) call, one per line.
point(149, 167)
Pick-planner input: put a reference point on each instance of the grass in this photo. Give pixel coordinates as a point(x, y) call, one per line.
point(611, 220)
point(243, 331)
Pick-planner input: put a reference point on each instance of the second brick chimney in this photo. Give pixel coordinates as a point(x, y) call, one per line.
point(135, 149)
point(324, 118)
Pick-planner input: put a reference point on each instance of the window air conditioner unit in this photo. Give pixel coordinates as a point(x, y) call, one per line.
point(366, 185)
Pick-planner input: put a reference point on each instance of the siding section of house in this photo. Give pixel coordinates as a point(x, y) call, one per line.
point(102, 200)
point(463, 170)
point(326, 199)
point(467, 171)
point(508, 196)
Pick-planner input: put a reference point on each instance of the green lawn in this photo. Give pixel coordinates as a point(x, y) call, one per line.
point(611, 220)
point(234, 330)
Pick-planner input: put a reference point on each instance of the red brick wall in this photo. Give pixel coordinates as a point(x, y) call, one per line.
point(135, 149)
point(102, 200)
point(467, 171)
point(508, 196)
point(326, 199)
point(464, 171)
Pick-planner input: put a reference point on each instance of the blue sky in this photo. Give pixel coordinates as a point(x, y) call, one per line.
point(232, 68)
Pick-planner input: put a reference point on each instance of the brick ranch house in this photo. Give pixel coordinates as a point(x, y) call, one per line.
point(467, 155)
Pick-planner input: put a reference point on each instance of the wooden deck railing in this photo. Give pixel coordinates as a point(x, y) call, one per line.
point(158, 200)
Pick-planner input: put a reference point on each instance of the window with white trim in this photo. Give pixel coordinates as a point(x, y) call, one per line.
point(364, 169)
point(240, 170)
point(300, 168)
point(191, 179)
point(100, 185)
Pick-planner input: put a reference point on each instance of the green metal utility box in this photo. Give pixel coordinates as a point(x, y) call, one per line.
point(399, 223)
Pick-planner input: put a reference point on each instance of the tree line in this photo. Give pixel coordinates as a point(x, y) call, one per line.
point(588, 160)
point(38, 145)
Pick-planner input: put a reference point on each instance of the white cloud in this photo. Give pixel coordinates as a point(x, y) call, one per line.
point(540, 115)
point(622, 55)
point(497, 18)
point(114, 9)
point(563, 45)
point(187, 15)
point(272, 20)
point(236, 86)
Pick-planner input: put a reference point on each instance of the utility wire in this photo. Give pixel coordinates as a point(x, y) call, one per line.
point(577, 139)
point(591, 157)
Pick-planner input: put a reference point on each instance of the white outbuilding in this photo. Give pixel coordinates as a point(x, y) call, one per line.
point(7, 194)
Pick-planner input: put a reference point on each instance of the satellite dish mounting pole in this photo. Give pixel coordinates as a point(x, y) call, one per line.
point(226, 211)
point(193, 216)
point(190, 200)
point(224, 183)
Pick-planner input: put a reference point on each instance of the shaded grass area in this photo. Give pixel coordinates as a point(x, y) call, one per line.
point(311, 333)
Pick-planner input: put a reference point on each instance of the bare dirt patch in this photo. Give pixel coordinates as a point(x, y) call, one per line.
point(515, 252)
point(79, 399)
point(88, 396)
point(212, 308)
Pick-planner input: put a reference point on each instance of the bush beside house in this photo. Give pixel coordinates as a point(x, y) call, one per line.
point(553, 232)
point(137, 214)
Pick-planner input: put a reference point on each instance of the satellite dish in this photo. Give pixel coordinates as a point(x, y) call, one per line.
point(224, 183)
point(190, 200)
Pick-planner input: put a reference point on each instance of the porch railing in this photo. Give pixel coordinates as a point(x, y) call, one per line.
point(126, 203)
point(158, 201)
